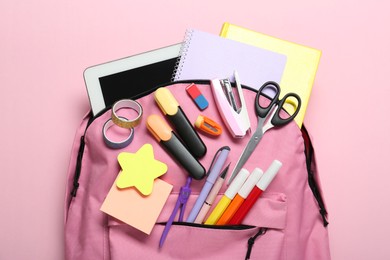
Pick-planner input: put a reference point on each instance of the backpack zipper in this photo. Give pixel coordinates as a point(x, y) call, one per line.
point(78, 167)
point(251, 241)
point(309, 152)
point(220, 227)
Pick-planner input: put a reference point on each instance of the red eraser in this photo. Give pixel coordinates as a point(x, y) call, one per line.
point(197, 96)
point(193, 91)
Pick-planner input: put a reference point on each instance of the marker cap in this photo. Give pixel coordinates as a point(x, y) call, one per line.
point(250, 183)
point(166, 101)
point(269, 175)
point(237, 183)
point(159, 128)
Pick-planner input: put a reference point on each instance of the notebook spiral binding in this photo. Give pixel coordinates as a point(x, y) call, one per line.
point(182, 55)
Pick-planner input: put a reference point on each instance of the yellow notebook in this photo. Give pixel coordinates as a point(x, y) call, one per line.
point(301, 66)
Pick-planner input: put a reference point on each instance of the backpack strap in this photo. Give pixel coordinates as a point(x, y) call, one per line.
point(310, 161)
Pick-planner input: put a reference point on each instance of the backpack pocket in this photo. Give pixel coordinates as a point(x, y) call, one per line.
point(261, 236)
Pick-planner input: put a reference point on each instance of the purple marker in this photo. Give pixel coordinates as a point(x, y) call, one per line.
point(211, 178)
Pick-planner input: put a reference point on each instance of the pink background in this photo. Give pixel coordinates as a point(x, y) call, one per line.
point(46, 45)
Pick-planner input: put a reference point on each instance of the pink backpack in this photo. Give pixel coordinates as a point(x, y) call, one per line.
point(287, 222)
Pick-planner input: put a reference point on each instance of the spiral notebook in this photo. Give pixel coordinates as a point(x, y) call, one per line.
point(207, 56)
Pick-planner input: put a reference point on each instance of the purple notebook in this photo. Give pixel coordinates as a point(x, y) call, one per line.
point(208, 56)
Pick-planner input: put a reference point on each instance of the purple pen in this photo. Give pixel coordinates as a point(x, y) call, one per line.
point(215, 169)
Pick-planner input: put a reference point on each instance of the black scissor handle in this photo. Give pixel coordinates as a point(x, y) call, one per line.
point(277, 120)
point(264, 111)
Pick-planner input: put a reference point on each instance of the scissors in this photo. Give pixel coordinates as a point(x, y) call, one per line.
point(181, 202)
point(268, 117)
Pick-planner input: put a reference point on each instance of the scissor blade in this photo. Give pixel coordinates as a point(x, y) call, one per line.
point(246, 153)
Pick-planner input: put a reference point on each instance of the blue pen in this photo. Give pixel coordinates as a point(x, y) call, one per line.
point(211, 178)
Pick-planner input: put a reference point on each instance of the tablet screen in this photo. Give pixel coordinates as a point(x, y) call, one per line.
point(129, 83)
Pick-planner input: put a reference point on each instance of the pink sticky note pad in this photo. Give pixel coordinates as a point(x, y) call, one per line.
point(134, 209)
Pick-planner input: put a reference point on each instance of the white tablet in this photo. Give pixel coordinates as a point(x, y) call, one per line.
point(126, 78)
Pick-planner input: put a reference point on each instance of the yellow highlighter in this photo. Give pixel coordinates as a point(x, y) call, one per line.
point(224, 202)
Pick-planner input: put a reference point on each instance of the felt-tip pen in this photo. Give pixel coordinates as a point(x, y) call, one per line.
point(224, 202)
point(167, 138)
point(256, 192)
point(240, 197)
point(172, 110)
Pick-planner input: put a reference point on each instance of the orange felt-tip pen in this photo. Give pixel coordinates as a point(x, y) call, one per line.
point(240, 197)
point(227, 197)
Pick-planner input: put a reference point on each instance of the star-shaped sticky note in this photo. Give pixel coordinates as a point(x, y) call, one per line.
point(140, 169)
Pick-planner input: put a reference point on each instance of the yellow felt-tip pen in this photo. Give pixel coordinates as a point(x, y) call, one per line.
point(229, 194)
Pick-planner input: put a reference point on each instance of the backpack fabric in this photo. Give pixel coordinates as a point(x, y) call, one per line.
point(287, 222)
